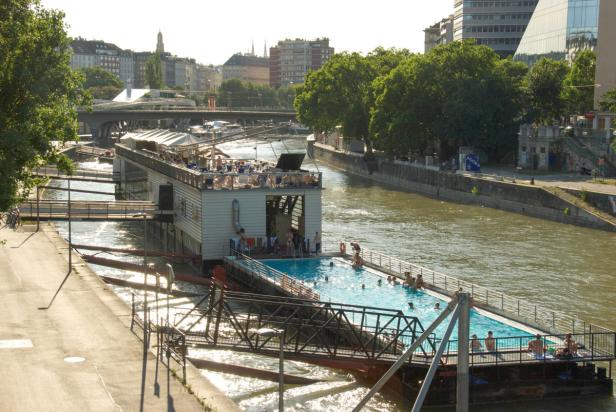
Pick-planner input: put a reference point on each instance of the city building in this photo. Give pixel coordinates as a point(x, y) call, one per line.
point(498, 24)
point(291, 60)
point(559, 29)
point(439, 33)
point(139, 62)
point(247, 67)
point(96, 53)
point(160, 46)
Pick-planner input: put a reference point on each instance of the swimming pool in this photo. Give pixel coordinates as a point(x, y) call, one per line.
point(344, 285)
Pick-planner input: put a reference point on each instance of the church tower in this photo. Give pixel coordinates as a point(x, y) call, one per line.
point(160, 46)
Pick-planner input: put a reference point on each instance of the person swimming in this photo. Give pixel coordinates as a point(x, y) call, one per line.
point(363, 286)
point(327, 278)
point(437, 306)
point(379, 282)
point(411, 306)
point(331, 264)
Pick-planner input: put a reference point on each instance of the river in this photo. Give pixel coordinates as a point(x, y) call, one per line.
point(562, 267)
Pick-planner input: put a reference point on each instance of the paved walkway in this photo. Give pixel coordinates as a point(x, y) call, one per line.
point(87, 320)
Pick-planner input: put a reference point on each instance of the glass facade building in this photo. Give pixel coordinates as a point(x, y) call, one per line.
point(559, 29)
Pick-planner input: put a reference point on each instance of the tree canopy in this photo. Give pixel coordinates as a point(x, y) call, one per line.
point(236, 93)
point(544, 86)
point(579, 84)
point(39, 93)
point(154, 71)
point(101, 83)
point(341, 92)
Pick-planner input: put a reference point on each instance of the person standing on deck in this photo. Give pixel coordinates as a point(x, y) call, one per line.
point(317, 243)
point(290, 246)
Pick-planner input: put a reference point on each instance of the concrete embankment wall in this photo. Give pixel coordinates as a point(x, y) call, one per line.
point(524, 199)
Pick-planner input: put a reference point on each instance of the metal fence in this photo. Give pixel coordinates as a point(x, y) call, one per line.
point(87, 210)
point(52, 171)
point(592, 346)
point(256, 269)
point(545, 319)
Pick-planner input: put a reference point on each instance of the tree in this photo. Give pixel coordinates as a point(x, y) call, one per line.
point(340, 92)
point(154, 71)
point(579, 85)
point(608, 103)
point(39, 94)
point(455, 95)
point(544, 89)
point(101, 84)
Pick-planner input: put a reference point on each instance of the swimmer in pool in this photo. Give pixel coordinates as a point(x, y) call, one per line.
point(363, 286)
point(437, 306)
point(331, 264)
point(411, 306)
point(327, 278)
point(379, 282)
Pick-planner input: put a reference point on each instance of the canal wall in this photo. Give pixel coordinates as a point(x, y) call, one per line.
point(528, 200)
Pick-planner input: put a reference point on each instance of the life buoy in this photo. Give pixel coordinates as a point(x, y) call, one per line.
point(343, 248)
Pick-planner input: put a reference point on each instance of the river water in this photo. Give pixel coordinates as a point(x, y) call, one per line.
point(561, 267)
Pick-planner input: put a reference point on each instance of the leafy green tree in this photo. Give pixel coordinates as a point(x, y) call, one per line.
point(154, 71)
point(544, 88)
point(608, 102)
point(579, 85)
point(101, 84)
point(457, 94)
point(39, 94)
point(341, 92)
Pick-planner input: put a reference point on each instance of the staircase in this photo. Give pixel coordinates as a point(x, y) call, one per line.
point(577, 202)
point(589, 154)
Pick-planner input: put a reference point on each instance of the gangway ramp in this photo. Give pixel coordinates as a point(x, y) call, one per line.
point(79, 174)
point(326, 333)
point(88, 210)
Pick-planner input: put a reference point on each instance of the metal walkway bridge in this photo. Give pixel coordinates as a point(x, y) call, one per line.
point(330, 334)
point(87, 175)
point(87, 210)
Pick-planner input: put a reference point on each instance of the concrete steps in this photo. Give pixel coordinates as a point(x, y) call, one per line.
point(577, 202)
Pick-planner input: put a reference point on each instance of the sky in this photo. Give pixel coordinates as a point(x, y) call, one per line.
point(212, 31)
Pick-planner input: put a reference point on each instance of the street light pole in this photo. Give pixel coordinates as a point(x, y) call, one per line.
point(270, 333)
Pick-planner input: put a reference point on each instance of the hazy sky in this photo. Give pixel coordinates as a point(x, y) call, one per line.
point(211, 31)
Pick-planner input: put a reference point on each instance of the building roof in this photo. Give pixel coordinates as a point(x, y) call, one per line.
point(239, 59)
point(81, 46)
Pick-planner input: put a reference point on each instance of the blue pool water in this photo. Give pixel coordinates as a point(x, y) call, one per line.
point(344, 285)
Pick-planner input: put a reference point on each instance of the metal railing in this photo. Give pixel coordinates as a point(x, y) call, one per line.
point(52, 171)
point(591, 346)
point(312, 328)
point(254, 268)
point(223, 181)
point(85, 209)
point(534, 315)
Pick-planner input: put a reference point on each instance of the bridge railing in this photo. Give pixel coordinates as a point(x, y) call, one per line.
point(222, 181)
point(52, 170)
point(534, 315)
point(312, 328)
point(80, 209)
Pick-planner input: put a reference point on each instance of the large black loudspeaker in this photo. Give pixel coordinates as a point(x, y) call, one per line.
point(165, 197)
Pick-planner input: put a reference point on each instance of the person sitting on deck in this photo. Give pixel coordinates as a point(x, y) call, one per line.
point(569, 349)
point(535, 346)
point(475, 344)
point(420, 282)
point(490, 342)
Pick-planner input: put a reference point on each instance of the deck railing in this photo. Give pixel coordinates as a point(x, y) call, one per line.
point(591, 346)
point(222, 181)
point(534, 315)
point(282, 280)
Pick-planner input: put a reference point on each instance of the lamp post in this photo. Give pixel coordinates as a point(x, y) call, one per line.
point(145, 276)
point(270, 333)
